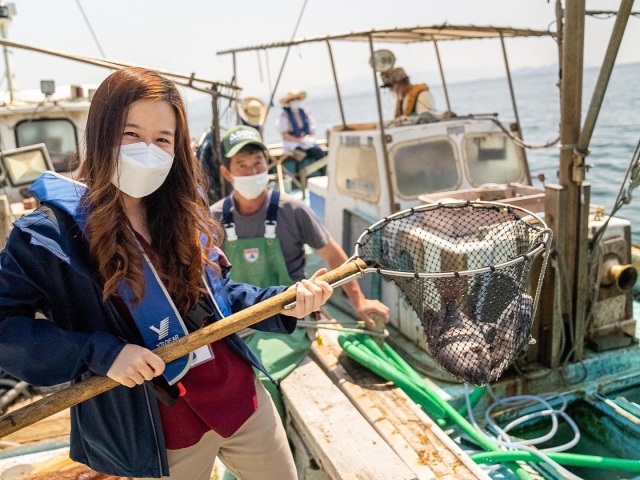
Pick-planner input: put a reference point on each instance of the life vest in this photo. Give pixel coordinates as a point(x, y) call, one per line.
point(155, 316)
point(412, 99)
point(298, 130)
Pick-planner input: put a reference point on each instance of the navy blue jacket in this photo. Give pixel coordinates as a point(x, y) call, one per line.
point(46, 267)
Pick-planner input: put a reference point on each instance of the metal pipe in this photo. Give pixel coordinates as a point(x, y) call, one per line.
point(513, 97)
point(444, 83)
point(109, 63)
point(603, 78)
point(5, 22)
point(7, 63)
point(383, 136)
point(335, 81)
point(515, 107)
point(234, 79)
point(216, 146)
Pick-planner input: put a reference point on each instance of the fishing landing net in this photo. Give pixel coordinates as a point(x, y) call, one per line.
point(472, 272)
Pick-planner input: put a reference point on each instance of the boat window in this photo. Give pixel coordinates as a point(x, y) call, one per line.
point(357, 172)
point(492, 158)
point(425, 167)
point(58, 134)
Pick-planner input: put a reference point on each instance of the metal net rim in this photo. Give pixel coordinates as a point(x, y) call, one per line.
point(461, 273)
point(544, 244)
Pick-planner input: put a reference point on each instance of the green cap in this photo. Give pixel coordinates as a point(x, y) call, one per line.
point(238, 137)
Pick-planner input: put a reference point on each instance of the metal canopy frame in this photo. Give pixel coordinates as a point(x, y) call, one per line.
point(409, 35)
point(405, 35)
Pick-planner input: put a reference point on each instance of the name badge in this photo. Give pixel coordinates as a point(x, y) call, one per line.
point(202, 355)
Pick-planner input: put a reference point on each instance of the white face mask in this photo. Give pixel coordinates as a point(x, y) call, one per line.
point(142, 169)
point(294, 104)
point(250, 186)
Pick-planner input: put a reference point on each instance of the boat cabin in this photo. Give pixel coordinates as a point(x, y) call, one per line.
point(55, 120)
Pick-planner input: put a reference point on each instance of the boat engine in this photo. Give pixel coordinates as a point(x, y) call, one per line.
point(612, 324)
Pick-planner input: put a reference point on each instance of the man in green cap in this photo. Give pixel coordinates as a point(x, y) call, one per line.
point(266, 232)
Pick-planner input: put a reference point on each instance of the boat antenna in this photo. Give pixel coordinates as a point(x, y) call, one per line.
point(284, 61)
point(86, 20)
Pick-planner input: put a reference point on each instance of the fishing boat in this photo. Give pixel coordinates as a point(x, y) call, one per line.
point(583, 366)
point(345, 421)
point(42, 130)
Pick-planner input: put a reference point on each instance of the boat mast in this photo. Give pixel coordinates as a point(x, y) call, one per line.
point(6, 12)
point(567, 204)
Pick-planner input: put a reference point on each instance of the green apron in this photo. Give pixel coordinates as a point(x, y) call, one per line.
point(259, 261)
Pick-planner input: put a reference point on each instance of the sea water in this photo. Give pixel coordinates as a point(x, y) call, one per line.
point(612, 145)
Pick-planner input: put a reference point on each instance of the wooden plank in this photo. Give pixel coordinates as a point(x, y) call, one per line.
point(343, 443)
point(54, 426)
point(413, 435)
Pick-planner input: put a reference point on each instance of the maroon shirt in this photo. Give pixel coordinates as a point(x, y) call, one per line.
point(219, 394)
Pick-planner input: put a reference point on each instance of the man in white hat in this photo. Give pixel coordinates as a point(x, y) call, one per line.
point(298, 127)
point(410, 99)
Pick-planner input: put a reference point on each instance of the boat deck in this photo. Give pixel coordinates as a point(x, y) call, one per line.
point(408, 434)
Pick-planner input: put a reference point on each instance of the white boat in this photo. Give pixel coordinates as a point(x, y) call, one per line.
point(586, 341)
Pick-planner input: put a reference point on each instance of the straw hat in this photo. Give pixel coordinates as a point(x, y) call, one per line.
point(293, 95)
point(252, 110)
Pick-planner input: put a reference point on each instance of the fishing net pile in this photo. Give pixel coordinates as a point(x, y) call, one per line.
point(472, 272)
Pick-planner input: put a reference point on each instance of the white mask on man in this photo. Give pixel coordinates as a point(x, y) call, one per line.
point(250, 186)
point(141, 169)
point(294, 104)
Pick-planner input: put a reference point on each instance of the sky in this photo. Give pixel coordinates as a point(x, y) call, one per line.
point(184, 36)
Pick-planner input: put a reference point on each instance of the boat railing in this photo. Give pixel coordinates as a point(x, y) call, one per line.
point(299, 177)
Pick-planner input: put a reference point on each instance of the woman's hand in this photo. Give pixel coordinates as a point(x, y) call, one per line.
point(311, 294)
point(134, 365)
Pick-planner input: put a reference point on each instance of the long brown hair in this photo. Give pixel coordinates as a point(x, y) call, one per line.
point(177, 213)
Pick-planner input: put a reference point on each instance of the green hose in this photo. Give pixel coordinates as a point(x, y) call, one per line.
point(356, 347)
point(571, 459)
point(384, 361)
point(386, 371)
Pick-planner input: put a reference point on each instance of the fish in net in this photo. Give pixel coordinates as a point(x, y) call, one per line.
point(472, 273)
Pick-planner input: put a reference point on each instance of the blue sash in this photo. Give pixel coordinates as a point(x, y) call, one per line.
point(156, 316)
point(297, 129)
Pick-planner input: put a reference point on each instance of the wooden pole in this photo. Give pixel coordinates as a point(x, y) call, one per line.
point(572, 222)
point(62, 399)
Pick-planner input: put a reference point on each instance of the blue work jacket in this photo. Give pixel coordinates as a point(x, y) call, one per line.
point(46, 268)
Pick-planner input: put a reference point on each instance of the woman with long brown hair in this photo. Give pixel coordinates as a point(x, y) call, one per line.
point(125, 261)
